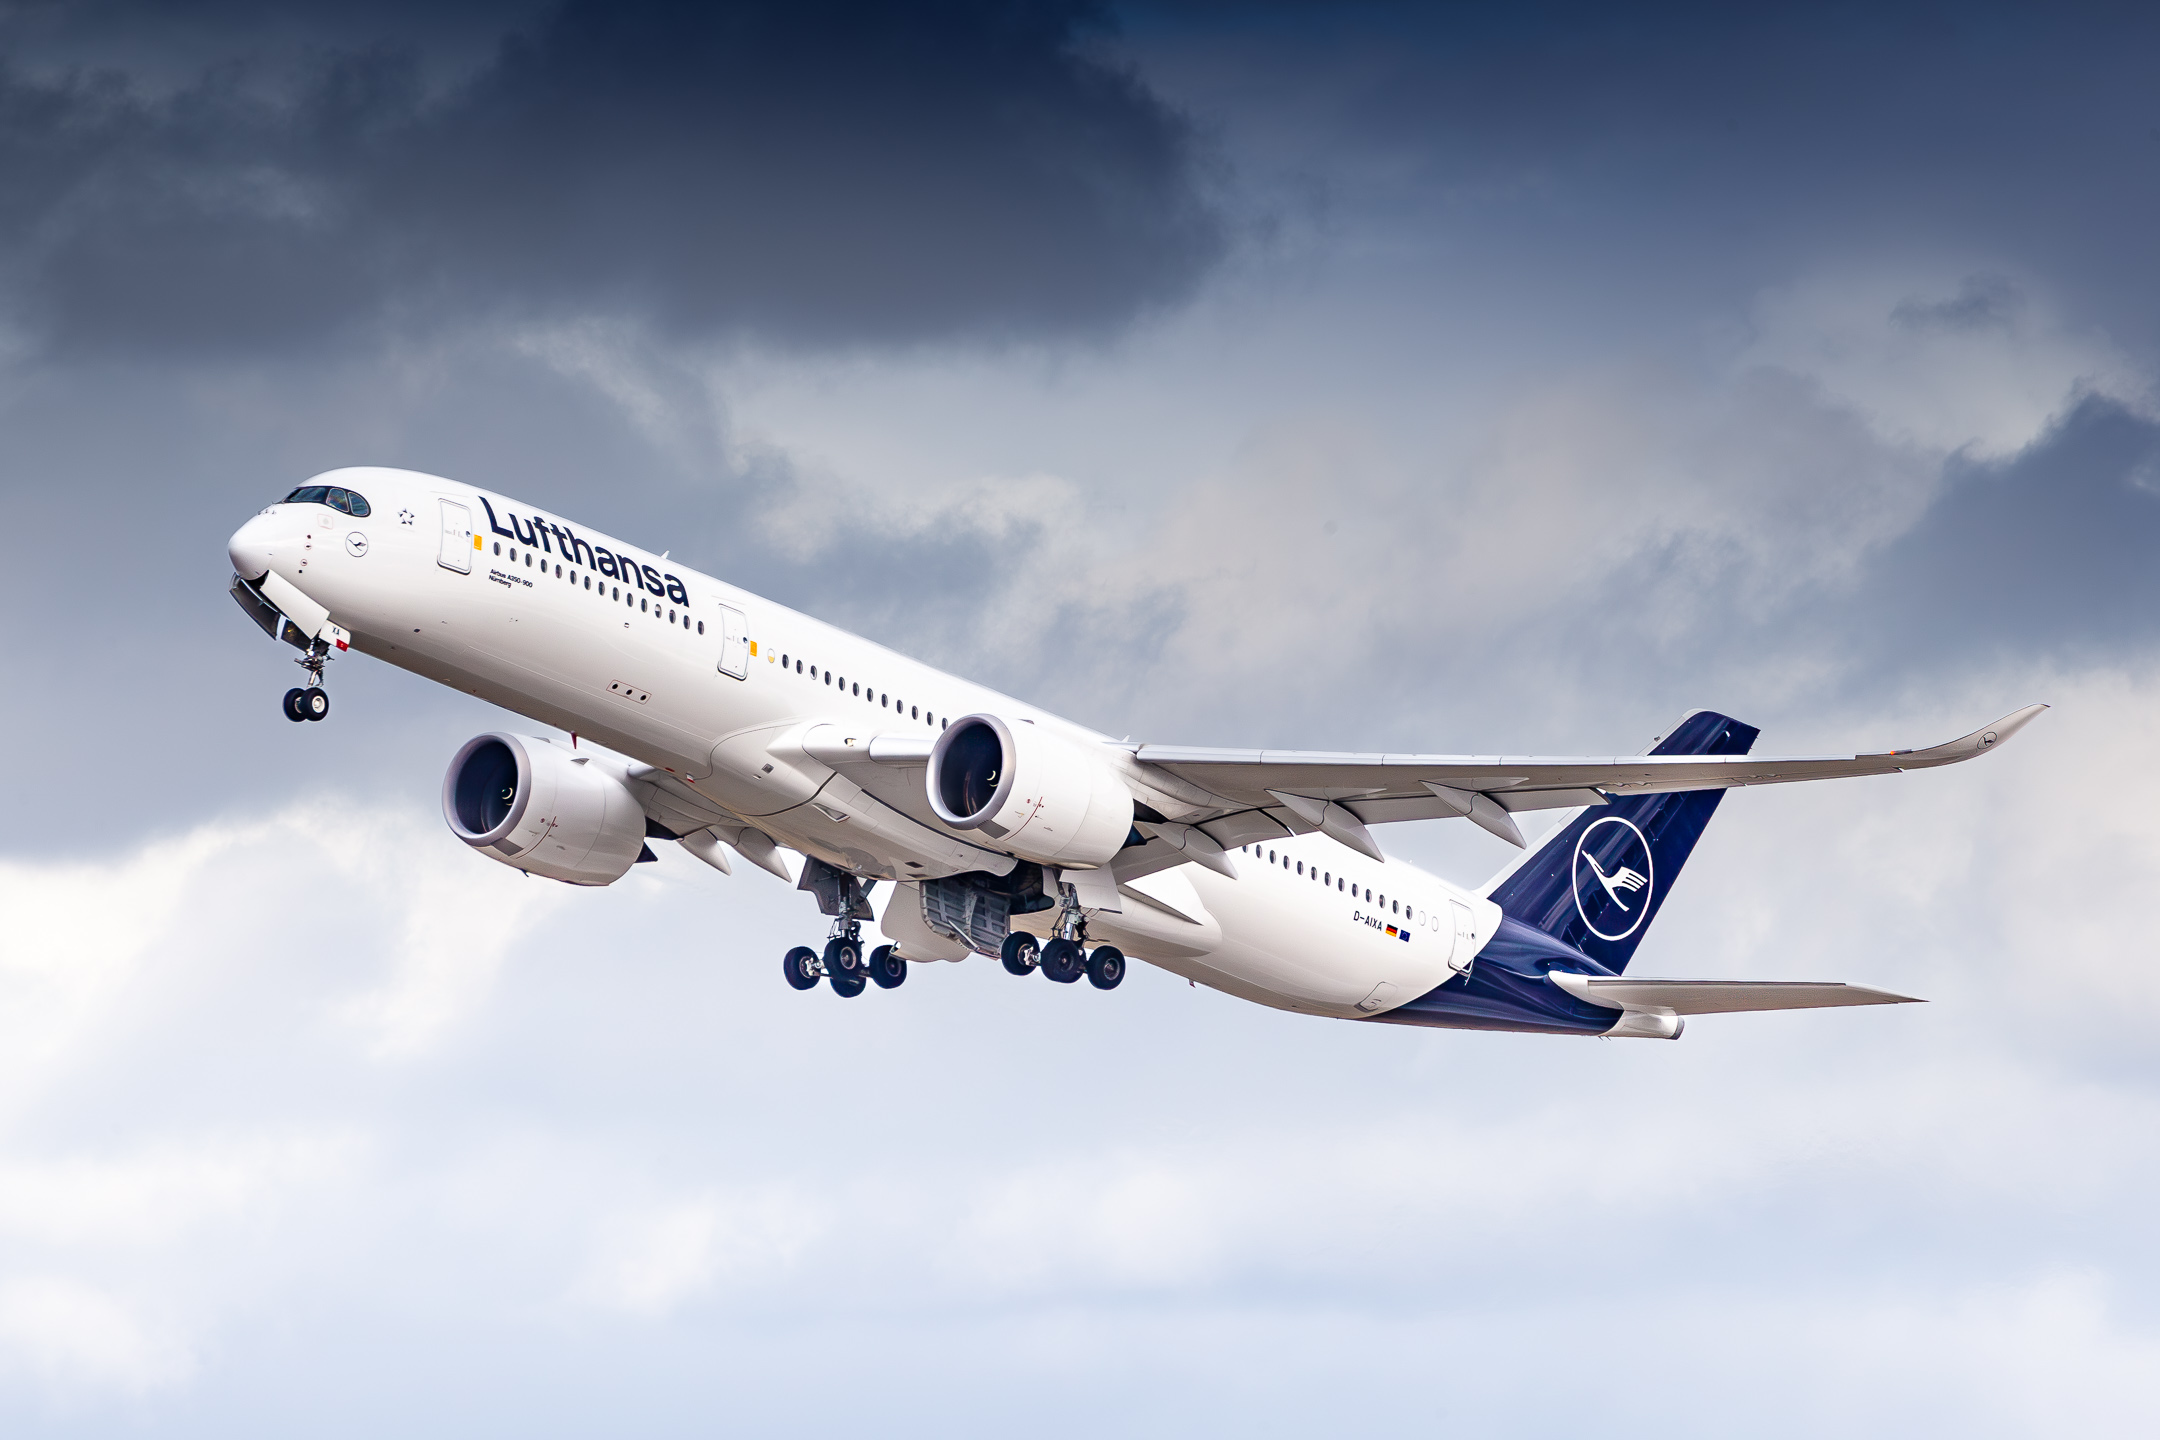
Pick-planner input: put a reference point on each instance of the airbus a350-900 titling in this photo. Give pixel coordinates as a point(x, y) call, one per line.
point(694, 712)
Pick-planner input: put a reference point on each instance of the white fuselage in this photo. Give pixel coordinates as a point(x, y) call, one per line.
point(644, 669)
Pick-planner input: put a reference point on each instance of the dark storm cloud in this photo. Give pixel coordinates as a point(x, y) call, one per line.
point(819, 172)
point(1673, 151)
point(2052, 554)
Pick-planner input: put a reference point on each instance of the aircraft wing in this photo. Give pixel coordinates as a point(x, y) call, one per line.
point(1340, 794)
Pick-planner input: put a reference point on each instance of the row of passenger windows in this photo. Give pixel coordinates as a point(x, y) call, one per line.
point(854, 688)
point(1321, 877)
point(606, 591)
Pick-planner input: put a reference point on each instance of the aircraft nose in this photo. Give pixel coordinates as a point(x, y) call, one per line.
point(253, 546)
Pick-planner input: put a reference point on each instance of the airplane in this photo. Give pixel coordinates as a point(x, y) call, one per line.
point(692, 711)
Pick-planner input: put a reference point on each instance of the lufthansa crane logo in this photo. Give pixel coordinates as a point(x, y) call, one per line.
point(1614, 878)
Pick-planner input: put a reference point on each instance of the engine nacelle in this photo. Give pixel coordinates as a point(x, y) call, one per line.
point(542, 809)
point(1032, 792)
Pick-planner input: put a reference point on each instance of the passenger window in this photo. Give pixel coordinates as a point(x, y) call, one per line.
point(528, 559)
point(913, 713)
point(641, 605)
point(700, 627)
point(498, 547)
point(1300, 867)
point(558, 572)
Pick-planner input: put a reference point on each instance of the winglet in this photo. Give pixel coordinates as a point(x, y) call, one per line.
point(1985, 738)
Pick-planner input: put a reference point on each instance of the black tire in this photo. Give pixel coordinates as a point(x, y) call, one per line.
point(314, 703)
point(802, 967)
point(887, 967)
point(848, 985)
point(1061, 961)
point(844, 957)
point(1105, 967)
point(292, 704)
point(1020, 952)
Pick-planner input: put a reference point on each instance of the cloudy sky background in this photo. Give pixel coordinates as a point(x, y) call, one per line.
point(1351, 377)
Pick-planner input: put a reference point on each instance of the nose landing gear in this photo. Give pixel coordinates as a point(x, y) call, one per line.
point(312, 702)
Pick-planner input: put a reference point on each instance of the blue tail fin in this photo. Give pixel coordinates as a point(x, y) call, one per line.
point(1598, 884)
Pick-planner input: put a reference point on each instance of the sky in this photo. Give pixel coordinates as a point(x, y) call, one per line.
point(1462, 378)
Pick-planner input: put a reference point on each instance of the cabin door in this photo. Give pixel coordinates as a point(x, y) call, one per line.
point(457, 538)
point(734, 644)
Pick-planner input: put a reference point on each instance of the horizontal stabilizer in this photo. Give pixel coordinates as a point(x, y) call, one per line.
point(1718, 997)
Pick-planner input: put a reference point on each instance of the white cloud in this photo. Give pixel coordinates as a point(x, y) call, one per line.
point(650, 1261)
point(1978, 362)
point(71, 1334)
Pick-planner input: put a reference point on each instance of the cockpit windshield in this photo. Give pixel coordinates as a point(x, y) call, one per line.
point(337, 498)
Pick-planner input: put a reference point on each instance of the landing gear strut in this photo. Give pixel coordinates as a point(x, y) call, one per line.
point(313, 702)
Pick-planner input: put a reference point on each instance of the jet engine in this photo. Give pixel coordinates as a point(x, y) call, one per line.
point(1031, 791)
point(540, 808)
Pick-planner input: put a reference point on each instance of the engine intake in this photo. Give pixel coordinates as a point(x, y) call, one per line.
point(538, 808)
point(1036, 794)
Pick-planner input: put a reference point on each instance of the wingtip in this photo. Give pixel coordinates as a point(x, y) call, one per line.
point(1986, 738)
point(2006, 727)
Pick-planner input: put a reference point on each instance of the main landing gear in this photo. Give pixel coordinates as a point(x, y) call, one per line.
point(313, 702)
point(845, 897)
point(1065, 956)
point(844, 964)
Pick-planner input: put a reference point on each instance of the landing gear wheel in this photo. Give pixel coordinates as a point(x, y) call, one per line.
point(887, 967)
point(314, 703)
point(848, 985)
point(844, 957)
point(1061, 961)
point(1020, 952)
point(293, 698)
point(1105, 967)
point(801, 966)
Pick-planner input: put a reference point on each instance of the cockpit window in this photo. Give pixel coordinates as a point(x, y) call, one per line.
point(337, 498)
